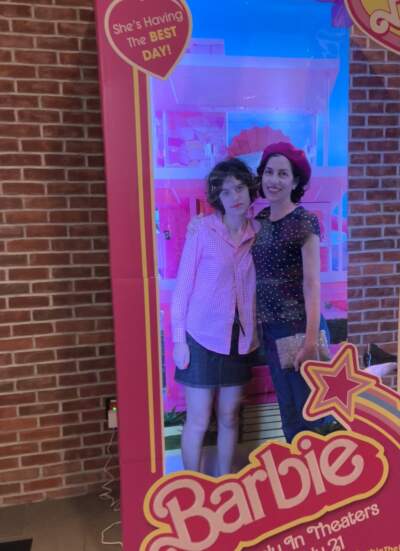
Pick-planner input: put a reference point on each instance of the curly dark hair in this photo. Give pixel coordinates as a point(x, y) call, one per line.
point(299, 190)
point(231, 167)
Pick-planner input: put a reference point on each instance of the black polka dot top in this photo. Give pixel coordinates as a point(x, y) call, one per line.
point(279, 265)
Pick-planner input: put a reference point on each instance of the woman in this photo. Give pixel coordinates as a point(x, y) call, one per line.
point(213, 314)
point(287, 262)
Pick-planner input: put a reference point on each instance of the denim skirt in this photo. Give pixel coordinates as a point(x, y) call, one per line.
point(208, 369)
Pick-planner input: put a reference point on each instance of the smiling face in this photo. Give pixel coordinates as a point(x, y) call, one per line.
point(234, 196)
point(277, 180)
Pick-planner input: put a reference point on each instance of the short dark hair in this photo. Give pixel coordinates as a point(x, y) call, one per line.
point(298, 191)
point(231, 167)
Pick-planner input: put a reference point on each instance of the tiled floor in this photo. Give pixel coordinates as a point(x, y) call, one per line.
point(74, 524)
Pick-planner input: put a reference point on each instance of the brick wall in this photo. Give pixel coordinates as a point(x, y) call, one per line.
point(56, 355)
point(56, 338)
point(374, 194)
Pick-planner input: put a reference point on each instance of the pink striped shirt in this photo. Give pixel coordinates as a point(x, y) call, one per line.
point(216, 275)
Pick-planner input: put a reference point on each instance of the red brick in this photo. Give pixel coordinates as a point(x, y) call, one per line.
point(36, 383)
point(80, 405)
point(53, 14)
point(6, 86)
point(39, 434)
point(61, 444)
point(85, 478)
point(14, 11)
point(49, 259)
point(62, 468)
point(59, 73)
point(32, 329)
point(38, 116)
point(19, 475)
point(54, 395)
point(17, 71)
point(58, 420)
point(20, 188)
point(54, 341)
point(33, 27)
point(15, 344)
point(14, 425)
point(6, 115)
point(19, 130)
point(78, 379)
point(28, 274)
point(56, 131)
point(27, 245)
point(67, 188)
point(6, 489)
point(18, 449)
point(42, 484)
point(52, 287)
point(52, 314)
point(10, 463)
point(81, 59)
point(15, 372)
point(7, 438)
point(96, 363)
point(8, 412)
point(97, 439)
point(82, 453)
point(71, 272)
point(75, 326)
point(38, 87)
point(38, 409)
point(58, 367)
point(68, 217)
point(42, 145)
point(29, 302)
point(46, 230)
point(57, 43)
point(75, 352)
point(72, 299)
point(8, 144)
point(55, 102)
point(26, 217)
point(34, 356)
point(82, 428)
point(94, 415)
point(76, 29)
point(91, 258)
point(64, 160)
point(81, 89)
point(97, 390)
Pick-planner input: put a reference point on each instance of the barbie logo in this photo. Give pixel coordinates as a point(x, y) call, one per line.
point(379, 19)
point(283, 486)
point(382, 20)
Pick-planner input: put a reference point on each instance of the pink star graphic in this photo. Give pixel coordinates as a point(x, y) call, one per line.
point(335, 385)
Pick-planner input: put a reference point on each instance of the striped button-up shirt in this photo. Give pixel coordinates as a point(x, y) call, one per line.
point(216, 277)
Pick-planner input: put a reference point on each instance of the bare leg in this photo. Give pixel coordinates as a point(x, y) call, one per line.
point(199, 403)
point(228, 423)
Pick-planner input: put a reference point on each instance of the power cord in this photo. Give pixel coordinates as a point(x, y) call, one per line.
point(107, 493)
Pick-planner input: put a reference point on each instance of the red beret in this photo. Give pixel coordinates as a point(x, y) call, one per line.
point(296, 156)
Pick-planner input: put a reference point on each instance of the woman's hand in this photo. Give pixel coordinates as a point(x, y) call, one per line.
point(181, 355)
point(306, 352)
point(193, 225)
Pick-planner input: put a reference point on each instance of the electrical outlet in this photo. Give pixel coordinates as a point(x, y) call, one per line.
point(111, 412)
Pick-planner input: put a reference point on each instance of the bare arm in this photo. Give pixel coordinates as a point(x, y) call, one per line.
point(311, 288)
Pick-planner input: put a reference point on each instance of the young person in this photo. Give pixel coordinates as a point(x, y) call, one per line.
point(213, 314)
point(287, 263)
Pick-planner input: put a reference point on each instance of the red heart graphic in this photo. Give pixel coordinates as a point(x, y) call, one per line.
point(149, 34)
point(383, 25)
